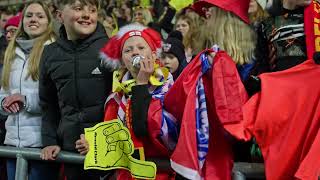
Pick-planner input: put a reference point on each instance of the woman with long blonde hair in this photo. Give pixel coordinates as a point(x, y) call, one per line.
point(142, 16)
point(212, 80)
point(19, 95)
point(230, 33)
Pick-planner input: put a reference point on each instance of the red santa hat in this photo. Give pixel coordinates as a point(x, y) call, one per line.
point(13, 21)
point(237, 7)
point(111, 52)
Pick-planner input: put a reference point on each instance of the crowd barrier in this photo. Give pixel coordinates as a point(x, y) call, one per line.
point(241, 171)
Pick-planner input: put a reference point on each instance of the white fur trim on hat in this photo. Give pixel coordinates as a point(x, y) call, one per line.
point(110, 63)
point(130, 27)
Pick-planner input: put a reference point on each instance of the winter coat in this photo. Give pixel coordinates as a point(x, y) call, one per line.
point(73, 88)
point(23, 128)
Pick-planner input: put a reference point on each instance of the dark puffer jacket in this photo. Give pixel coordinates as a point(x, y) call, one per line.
point(73, 88)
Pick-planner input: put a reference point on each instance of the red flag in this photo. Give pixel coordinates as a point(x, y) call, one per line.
point(180, 101)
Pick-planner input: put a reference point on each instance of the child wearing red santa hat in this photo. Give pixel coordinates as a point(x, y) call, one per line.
point(12, 26)
point(139, 85)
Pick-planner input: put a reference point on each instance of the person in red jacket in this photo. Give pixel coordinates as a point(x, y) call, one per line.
point(284, 115)
point(202, 137)
point(139, 85)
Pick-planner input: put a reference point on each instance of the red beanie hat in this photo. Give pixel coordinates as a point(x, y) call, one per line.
point(111, 52)
point(237, 7)
point(13, 21)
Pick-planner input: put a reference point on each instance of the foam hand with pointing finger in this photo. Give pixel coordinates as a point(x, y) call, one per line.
point(111, 147)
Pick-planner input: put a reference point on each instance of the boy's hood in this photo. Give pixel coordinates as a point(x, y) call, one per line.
point(81, 43)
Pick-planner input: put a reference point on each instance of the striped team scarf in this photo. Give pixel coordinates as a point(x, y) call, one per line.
point(122, 95)
point(202, 121)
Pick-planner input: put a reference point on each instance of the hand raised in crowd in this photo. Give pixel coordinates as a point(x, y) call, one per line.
point(13, 103)
point(146, 70)
point(50, 152)
point(82, 145)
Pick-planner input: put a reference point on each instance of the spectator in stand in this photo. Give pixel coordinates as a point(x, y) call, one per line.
point(68, 67)
point(10, 30)
point(173, 56)
point(19, 92)
point(11, 27)
point(283, 35)
point(213, 88)
point(141, 100)
point(290, 150)
point(109, 22)
point(53, 9)
point(142, 16)
point(188, 28)
point(257, 11)
point(126, 9)
point(5, 15)
point(164, 24)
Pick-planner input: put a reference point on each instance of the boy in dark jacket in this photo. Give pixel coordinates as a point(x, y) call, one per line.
point(73, 86)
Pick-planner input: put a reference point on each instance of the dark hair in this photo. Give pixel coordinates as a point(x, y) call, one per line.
point(62, 3)
point(7, 11)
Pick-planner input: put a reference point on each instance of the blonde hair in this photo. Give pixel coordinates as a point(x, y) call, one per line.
point(146, 14)
point(259, 15)
point(231, 34)
point(36, 52)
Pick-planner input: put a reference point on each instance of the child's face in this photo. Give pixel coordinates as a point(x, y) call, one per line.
point(10, 32)
point(170, 61)
point(79, 20)
point(4, 18)
point(182, 26)
point(253, 7)
point(134, 46)
point(138, 16)
point(35, 21)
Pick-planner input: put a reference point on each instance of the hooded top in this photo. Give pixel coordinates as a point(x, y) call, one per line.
point(173, 45)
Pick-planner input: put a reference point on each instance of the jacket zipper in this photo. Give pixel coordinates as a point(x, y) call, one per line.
point(76, 83)
point(24, 62)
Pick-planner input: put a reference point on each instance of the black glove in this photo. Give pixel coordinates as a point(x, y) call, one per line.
point(316, 57)
point(253, 85)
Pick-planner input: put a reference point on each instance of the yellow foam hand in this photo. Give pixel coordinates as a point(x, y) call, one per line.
point(111, 147)
point(180, 4)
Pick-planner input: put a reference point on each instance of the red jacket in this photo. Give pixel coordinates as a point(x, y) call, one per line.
point(285, 120)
